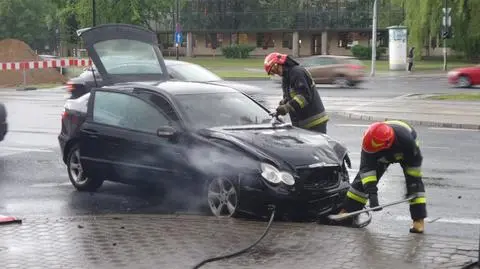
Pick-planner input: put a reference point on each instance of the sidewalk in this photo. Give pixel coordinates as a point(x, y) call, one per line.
point(163, 241)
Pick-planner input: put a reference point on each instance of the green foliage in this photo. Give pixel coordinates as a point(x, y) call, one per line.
point(237, 51)
point(365, 53)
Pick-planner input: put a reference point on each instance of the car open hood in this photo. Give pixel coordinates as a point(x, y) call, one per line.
point(128, 44)
point(294, 146)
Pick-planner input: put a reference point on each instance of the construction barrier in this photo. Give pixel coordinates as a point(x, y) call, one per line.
point(45, 64)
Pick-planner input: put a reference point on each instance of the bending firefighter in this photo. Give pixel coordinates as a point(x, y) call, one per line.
point(385, 143)
point(300, 97)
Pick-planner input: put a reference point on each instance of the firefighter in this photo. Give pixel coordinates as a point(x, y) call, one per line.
point(385, 143)
point(300, 97)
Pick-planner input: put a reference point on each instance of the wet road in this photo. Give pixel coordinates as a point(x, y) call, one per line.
point(34, 180)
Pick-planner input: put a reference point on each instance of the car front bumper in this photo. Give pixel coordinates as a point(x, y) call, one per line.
point(255, 199)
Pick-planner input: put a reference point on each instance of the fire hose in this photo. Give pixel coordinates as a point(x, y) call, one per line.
point(226, 256)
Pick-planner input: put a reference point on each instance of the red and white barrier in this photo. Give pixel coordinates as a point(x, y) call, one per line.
point(45, 64)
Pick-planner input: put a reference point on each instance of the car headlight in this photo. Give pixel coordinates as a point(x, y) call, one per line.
point(273, 175)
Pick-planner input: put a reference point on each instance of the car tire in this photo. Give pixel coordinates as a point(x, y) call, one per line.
point(464, 81)
point(222, 197)
point(76, 173)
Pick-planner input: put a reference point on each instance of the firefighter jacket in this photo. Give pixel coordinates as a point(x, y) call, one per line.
point(300, 95)
point(405, 151)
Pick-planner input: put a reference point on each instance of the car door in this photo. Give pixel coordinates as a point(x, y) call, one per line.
point(319, 70)
point(135, 153)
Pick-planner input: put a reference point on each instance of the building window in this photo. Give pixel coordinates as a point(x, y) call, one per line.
point(243, 39)
point(265, 40)
point(213, 40)
point(344, 40)
point(287, 40)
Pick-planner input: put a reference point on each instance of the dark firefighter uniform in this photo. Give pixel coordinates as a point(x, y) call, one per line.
point(405, 151)
point(304, 104)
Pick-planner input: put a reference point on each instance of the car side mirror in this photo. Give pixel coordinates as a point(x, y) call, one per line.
point(166, 131)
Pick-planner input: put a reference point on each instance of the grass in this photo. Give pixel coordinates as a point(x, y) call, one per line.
point(240, 74)
point(457, 97)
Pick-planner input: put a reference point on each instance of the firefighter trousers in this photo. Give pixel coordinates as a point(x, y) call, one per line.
point(357, 197)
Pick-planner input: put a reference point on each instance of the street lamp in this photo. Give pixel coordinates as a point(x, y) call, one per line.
point(374, 38)
point(93, 13)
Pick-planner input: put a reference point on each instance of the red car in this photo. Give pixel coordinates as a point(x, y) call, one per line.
point(465, 77)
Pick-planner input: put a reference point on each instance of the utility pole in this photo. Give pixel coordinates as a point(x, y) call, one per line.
point(177, 22)
point(93, 13)
point(446, 25)
point(374, 38)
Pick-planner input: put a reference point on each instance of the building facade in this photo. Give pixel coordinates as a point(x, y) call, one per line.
point(299, 28)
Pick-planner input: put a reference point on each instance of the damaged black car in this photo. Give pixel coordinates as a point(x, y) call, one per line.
point(211, 142)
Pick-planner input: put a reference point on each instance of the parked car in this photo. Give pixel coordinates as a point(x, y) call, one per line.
point(344, 71)
point(3, 122)
point(177, 70)
point(464, 77)
point(211, 142)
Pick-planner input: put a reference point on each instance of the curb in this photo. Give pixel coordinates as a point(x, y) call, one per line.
point(360, 116)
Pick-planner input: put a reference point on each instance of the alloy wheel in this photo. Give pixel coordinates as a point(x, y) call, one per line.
point(222, 197)
point(76, 169)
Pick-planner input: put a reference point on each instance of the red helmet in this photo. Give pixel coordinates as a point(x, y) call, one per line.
point(377, 137)
point(272, 59)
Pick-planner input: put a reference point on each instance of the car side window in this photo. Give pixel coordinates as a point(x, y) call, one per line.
point(126, 111)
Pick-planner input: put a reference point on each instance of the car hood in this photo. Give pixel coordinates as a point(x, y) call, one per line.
point(248, 89)
point(288, 145)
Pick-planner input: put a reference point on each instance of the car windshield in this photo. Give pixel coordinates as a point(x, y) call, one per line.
point(193, 72)
point(123, 56)
point(206, 110)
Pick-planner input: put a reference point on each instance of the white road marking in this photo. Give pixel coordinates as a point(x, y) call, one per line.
point(445, 220)
point(452, 129)
point(2, 148)
point(50, 185)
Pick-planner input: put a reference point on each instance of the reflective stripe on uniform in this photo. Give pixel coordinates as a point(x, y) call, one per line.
point(401, 123)
point(414, 171)
point(302, 102)
point(367, 177)
point(356, 197)
point(313, 120)
point(418, 200)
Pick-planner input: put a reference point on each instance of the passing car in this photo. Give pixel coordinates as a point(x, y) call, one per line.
point(209, 142)
point(343, 71)
point(3, 122)
point(464, 77)
point(177, 70)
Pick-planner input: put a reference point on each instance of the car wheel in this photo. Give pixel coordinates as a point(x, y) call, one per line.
point(341, 81)
point(464, 82)
point(76, 173)
point(222, 197)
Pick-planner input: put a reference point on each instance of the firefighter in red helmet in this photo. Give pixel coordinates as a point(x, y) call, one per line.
point(300, 97)
point(385, 143)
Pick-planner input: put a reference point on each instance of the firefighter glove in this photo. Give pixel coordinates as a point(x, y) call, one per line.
point(282, 110)
point(373, 198)
point(282, 102)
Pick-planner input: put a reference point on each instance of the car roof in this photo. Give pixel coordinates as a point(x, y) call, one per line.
point(178, 87)
point(175, 62)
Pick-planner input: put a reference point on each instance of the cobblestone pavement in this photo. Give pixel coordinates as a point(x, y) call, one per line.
point(168, 241)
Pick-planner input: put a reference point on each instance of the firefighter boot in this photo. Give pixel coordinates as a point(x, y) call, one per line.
point(418, 226)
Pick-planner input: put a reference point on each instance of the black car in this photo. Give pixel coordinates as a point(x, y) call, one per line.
point(177, 70)
point(3, 122)
point(214, 144)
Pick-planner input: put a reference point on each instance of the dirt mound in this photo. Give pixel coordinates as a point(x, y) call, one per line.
point(12, 50)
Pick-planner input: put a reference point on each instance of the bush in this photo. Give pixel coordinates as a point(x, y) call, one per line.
point(365, 53)
point(237, 51)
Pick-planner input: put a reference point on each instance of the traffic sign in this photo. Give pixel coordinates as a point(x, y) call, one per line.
point(178, 37)
point(447, 21)
point(448, 10)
